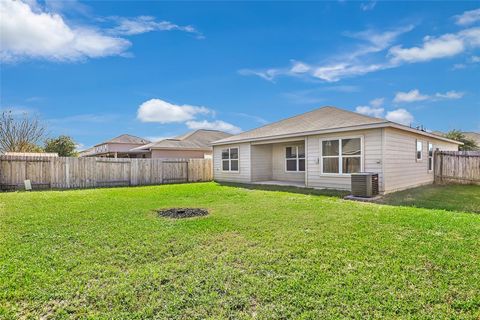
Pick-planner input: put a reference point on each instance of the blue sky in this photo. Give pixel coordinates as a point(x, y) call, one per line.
point(94, 70)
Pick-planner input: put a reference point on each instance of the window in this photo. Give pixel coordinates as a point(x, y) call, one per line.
point(295, 158)
point(230, 159)
point(430, 156)
point(419, 150)
point(342, 156)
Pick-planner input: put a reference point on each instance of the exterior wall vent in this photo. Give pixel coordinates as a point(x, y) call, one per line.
point(364, 184)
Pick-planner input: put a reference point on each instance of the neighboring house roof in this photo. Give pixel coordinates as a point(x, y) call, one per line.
point(88, 151)
point(195, 140)
point(321, 120)
point(126, 138)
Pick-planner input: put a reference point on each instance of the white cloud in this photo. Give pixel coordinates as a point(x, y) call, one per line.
point(458, 66)
point(375, 110)
point(446, 45)
point(401, 116)
point(143, 24)
point(44, 35)
point(410, 96)
point(156, 110)
point(450, 95)
point(468, 17)
point(370, 111)
point(269, 74)
point(299, 67)
point(415, 95)
point(340, 66)
point(377, 103)
point(213, 125)
point(368, 6)
point(333, 73)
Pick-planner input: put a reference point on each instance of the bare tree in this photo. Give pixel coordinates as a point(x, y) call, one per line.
point(20, 134)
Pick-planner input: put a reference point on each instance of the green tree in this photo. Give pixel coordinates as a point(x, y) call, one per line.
point(457, 135)
point(63, 145)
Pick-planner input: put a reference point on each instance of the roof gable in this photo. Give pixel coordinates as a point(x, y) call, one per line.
point(126, 138)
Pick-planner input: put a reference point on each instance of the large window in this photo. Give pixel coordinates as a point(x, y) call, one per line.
point(419, 150)
point(342, 156)
point(230, 159)
point(430, 156)
point(295, 158)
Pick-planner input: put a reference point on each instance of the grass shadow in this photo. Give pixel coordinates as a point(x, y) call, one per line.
point(463, 198)
point(292, 189)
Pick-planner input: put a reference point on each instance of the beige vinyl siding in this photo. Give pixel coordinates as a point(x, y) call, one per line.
point(261, 162)
point(371, 157)
point(401, 168)
point(278, 163)
point(244, 173)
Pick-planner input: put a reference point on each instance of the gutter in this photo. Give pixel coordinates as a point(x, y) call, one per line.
point(333, 130)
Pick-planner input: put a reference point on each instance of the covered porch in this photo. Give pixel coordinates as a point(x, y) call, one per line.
point(280, 163)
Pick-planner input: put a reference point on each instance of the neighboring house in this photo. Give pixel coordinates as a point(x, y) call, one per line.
point(195, 144)
point(118, 147)
point(320, 149)
point(475, 136)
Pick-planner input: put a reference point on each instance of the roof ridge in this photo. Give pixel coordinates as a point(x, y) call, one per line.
point(311, 111)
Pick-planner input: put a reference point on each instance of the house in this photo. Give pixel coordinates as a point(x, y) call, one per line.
point(194, 144)
point(321, 148)
point(475, 136)
point(118, 147)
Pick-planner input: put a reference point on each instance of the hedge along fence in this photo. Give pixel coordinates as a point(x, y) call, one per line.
point(457, 167)
point(70, 173)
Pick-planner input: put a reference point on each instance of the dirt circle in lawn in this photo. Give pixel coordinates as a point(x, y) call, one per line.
point(182, 212)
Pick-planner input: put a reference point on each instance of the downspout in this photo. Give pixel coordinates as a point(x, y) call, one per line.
point(306, 161)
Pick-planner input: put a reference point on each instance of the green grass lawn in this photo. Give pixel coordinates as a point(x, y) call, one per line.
point(105, 253)
point(449, 197)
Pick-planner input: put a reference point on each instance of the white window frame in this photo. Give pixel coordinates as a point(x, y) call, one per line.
point(230, 159)
point(416, 150)
point(340, 156)
point(430, 158)
point(296, 158)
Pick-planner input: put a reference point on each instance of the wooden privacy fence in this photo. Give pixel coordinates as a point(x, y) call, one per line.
point(457, 167)
point(69, 173)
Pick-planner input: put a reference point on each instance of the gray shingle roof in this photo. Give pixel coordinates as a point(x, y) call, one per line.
point(318, 119)
point(199, 139)
point(126, 138)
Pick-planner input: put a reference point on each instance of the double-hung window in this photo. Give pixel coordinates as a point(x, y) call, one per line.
point(342, 156)
point(295, 158)
point(230, 159)
point(430, 156)
point(419, 150)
